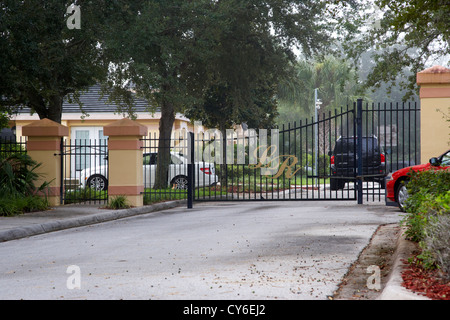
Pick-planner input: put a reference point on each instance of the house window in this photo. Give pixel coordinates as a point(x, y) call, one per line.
point(82, 158)
point(89, 147)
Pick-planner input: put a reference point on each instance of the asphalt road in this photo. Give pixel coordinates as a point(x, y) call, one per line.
point(253, 250)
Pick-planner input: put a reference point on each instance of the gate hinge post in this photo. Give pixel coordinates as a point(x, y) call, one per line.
point(359, 155)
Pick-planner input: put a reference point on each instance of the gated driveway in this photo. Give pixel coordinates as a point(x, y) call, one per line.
point(245, 250)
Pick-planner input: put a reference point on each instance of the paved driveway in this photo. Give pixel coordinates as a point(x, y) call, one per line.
point(253, 250)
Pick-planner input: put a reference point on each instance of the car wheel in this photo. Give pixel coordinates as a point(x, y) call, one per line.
point(402, 195)
point(97, 182)
point(180, 183)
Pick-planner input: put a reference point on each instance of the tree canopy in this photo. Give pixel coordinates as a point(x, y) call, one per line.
point(337, 82)
point(185, 55)
point(42, 60)
point(407, 36)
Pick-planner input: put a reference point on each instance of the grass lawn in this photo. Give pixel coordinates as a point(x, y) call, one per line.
point(160, 195)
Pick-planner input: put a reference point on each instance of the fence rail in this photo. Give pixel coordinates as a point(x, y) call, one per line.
point(84, 171)
point(11, 145)
point(165, 179)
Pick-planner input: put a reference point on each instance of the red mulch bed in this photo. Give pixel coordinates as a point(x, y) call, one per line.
point(425, 282)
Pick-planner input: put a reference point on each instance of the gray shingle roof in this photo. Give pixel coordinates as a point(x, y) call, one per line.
point(93, 102)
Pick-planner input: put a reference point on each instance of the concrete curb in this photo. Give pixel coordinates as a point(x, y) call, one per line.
point(394, 289)
point(61, 224)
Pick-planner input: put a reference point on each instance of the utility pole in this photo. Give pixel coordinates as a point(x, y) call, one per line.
point(317, 104)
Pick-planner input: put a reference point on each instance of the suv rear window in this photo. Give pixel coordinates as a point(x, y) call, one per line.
point(347, 145)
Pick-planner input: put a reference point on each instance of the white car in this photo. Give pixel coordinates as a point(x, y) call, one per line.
point(204, 173)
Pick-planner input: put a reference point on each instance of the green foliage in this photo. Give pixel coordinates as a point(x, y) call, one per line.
point(9, 147)
point(18, 175)
point(324, 165)
point(43, 61)
point(4, 119)
point(426, 189)
point(84, 194)
point(216, 61)
point(119, 202)
point(161, 195)
point(335, 78)
point(17, 185)
point(18, 205)
point(428, 216)
point(405, 36)
point(436, 245)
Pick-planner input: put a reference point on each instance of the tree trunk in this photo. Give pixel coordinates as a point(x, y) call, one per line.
point(52, 111)
point(165, 132)
point(55, 108)
point(223, 165)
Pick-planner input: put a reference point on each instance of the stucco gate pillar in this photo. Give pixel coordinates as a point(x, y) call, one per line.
point(44, 147)
point(126, 160)
point(434, 85)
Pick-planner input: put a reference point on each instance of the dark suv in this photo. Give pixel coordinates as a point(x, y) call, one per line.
point(344, 164)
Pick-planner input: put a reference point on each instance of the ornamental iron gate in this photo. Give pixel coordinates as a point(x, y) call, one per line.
point(341, 155)
point(165, 183)
point(84, 171)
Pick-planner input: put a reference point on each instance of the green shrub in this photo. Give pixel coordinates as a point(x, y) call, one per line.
point(18, 176)
point(428, 196)
point(9, 147)
point(428, 217)
point(17, 185)
point(19, 205)
point(84, 194)
point(423, 187)
point(119, 202)
point(436, 244)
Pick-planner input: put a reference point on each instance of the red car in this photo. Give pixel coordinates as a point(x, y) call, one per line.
point(395, 187)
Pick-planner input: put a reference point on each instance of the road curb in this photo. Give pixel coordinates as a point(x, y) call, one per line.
point(62, 224)
point(394, 289)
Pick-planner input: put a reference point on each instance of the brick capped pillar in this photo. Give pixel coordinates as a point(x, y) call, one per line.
point(126, 160)
point(434, 85)
point(44, 146)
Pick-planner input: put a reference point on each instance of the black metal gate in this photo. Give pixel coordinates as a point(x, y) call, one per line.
point(84, 171)
point(341, 155)
point(172, 183)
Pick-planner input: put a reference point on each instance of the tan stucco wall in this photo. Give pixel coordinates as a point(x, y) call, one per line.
point(435, 131)
point(125, 160)
point(49, 171)
point(43, 143)
point(435, 111)
point(126, 165)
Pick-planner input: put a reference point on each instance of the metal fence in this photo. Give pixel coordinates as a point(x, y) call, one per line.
point(84, 171)
point(287, 163)
point(397, 128)
point(341, 155)
point(11, 145)
point(165, 167)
